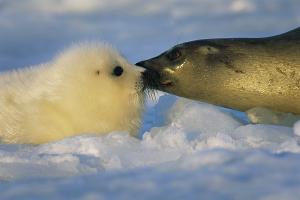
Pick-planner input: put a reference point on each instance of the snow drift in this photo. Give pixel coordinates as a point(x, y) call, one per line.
point(198, 148)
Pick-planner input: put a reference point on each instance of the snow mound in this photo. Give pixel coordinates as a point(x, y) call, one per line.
point(187, 128)
point(210, 174)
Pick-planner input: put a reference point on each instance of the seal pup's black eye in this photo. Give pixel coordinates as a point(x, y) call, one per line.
point(118, 71)
point(174, 54)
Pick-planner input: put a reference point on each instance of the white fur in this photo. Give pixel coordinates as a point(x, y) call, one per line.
point(68, 97)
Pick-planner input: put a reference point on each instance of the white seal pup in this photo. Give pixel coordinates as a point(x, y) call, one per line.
point(88, 88)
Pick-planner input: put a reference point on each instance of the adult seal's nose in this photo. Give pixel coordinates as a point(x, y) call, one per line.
point(141, 63)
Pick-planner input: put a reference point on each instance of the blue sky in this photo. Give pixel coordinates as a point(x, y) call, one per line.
point(32, 31)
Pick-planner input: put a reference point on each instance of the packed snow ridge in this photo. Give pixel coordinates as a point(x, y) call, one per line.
point(180, 128)
point(187, 149)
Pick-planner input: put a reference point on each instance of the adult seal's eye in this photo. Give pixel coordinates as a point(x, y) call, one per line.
point(118, 71)
point(174, 54)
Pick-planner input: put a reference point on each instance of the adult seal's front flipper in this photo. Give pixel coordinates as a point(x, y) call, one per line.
point(260, 115)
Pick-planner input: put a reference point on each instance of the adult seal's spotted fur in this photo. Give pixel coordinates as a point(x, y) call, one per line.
point(257, 75)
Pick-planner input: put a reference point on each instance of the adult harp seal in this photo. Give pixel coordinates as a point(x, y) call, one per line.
point(257, 75)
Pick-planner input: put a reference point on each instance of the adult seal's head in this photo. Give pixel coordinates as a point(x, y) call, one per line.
point(177, 69)
point(239, 73)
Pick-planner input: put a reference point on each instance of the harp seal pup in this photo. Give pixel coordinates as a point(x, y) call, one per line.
point(258, 75)
point(88, 88)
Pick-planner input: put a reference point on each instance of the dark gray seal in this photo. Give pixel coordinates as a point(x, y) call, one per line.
point(238, 73)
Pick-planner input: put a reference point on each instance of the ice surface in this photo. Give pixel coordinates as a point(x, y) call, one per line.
point(199, 150)
point(186, 149)
point(210, 174)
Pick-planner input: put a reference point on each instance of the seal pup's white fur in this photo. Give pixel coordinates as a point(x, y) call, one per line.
point(75, 93)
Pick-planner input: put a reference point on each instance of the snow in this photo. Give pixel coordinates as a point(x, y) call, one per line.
point(199, 150)
point(219, 174)
point(186, 149)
